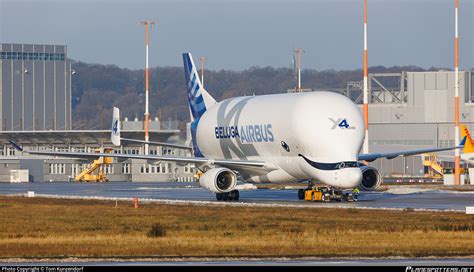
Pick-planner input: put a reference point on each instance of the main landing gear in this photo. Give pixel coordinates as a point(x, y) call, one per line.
point(230, 196)
point(325, 194)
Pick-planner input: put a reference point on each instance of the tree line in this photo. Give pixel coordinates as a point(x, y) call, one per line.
point(97, 88)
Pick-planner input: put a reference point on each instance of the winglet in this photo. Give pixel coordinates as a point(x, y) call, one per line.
point(115, 132)
point(17, 146)
point(467, 140)
point(463, 141)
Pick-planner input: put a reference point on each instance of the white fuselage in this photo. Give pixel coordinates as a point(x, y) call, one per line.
point(303, 135)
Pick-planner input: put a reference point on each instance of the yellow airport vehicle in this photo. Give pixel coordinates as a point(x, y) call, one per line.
point(326, 194)
point(95, 172)
point(434, 169)
point(314, 195)
point(198, 175)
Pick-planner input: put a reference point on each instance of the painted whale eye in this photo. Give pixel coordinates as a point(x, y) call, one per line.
point(285, 146)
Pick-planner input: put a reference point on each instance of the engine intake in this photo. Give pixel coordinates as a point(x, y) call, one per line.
point(218, 180)
point(371, 178)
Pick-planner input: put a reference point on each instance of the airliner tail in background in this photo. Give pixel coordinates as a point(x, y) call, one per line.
point(468, 154)
point(115, 133)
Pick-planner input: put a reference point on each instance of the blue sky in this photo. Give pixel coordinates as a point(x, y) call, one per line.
point(240, 34)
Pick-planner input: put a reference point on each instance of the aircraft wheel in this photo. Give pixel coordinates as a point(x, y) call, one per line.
point(327, 198)
point(230, 196)
point(219, 196)
point(301, 193)
point(234, 195)
point(225, 196)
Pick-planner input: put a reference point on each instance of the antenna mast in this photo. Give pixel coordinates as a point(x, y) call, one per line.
point(457, 171)
point(365, 90)
point(147, 24)
point(202, 60)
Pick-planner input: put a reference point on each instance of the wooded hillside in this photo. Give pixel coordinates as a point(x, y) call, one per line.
point(97, 88)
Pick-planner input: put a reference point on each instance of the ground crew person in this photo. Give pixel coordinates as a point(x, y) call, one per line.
point(355, 193)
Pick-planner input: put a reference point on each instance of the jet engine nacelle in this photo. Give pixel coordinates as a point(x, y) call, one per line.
point(371, 178)
point(218, 180)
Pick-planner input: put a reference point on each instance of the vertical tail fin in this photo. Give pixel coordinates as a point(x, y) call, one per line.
point(469, 145)
point(115, 133)
point(199, 99)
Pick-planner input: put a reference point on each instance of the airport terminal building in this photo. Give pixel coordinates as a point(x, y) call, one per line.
point(35, 99)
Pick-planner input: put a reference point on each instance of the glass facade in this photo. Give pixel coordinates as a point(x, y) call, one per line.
point(35, 87)
point(32, 56)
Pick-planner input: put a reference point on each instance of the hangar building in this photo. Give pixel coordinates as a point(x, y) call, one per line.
point(412, 110)
point(35, 110)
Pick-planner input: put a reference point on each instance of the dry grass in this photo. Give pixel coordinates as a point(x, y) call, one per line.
point(35, 227)
point(459, 188)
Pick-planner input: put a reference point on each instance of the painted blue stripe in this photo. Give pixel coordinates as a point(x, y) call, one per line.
point(200, 106)
point(191, 82)
point(194, 94)
point(188, 63)
point(198, 103)
point(197, 106)
point(194, 85)
point(191, 97)
point(200, 113)
point(198, 99)
point(196, 151)
point(195, 91)
point(194, 99)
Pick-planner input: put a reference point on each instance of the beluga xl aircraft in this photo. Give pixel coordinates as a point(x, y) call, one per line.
point(277, 138)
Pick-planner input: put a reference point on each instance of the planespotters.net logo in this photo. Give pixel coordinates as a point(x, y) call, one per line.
point(439, 269)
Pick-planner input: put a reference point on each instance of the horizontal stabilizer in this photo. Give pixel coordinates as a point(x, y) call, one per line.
point(156, 143)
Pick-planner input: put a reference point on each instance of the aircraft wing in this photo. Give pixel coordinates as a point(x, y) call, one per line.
point(391, 155)
point(92, 156)
point(156, 143)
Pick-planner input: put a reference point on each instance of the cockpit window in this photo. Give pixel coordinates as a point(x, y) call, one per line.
point(331, 166)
